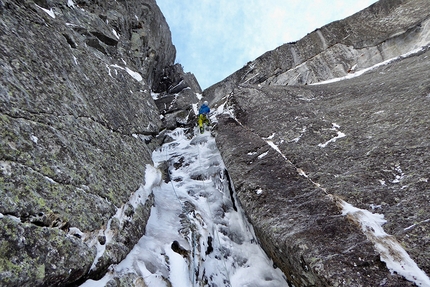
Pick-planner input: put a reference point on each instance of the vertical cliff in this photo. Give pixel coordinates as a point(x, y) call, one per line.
point(334, 174)
point(77, 127)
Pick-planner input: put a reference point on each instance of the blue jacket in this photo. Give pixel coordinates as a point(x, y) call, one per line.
point(204, 110)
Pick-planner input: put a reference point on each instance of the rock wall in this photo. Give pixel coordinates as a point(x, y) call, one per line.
point(295, 151)
point(78, 125)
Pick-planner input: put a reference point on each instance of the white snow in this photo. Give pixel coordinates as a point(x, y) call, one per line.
point(302, 132)
point(132, 73)
point(391, 252)
point(34, 138)
point(1, 215)
point(70, 3)
point(339, 135)
point(263, 154)
point(194, 206)
point(75, 231)
point(155, 96)
point(115, 33)
point(49, 12)
point(270, 137)
point(361, 72)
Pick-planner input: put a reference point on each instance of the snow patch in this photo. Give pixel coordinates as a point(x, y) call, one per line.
point(263, 155)
point(361, 72)
point(302, 132)
point(34, 138)
point(155, 96)
point(132, 73)
point(49, 12)
point(391, 252)
point(70, 3)
point(339, 135)
point(75, 232)
point(152, 178)
point(399, 176)
point(115, 33)
point(270, 137)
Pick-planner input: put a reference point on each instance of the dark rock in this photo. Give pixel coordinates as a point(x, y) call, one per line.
point(176, 247)
point(179, 93)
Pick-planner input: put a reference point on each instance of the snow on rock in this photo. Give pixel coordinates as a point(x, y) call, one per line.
point(197, 235)
point(361, 72)
point(132, 73)
point(49, 12)
point(152, 178)
point(339, 135)
point(391, 252)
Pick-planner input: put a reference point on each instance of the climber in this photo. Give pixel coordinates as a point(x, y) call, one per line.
point(203, 117)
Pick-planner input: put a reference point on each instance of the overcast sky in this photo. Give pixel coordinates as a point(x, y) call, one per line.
point(215, 38)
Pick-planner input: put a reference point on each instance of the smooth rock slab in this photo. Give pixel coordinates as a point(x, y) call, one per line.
point(363, 140)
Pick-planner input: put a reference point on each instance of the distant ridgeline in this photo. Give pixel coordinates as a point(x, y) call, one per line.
point(88, 89)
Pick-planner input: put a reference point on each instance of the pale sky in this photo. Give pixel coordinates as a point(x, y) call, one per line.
point(215, 38)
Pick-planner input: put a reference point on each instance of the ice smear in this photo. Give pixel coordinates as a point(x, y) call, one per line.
point(178, 269)
point(152, 178)
point(391, 252)
point(197, 181)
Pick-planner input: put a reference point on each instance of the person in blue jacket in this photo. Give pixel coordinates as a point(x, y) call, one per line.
point(203, 116)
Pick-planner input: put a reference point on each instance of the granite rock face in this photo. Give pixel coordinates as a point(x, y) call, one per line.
point(78, 124)
point(295, 151)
